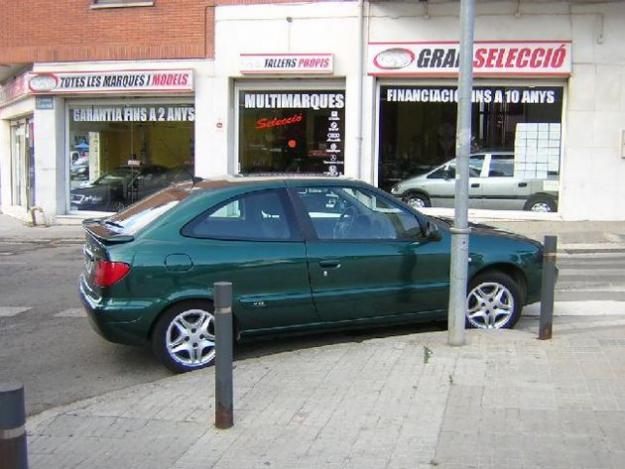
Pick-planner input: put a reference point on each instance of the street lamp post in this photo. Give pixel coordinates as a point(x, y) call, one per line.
point(460, 230)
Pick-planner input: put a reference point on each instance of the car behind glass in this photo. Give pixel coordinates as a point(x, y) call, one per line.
point(494, 183)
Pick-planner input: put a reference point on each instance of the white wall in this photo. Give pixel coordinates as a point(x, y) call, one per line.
point(594, 169)
point(296, 28)
point(592, 172)
point(50, 169)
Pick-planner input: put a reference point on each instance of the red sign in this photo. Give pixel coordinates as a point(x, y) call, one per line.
point(168, 80)
point(490, 58)
point(14, 89)
point(265, 123)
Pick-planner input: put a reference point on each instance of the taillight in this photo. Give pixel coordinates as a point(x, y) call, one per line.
point(108, 273)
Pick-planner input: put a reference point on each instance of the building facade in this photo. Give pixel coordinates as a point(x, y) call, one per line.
point(361, 89)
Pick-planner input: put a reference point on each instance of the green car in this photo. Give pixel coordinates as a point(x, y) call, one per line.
point(302, 255)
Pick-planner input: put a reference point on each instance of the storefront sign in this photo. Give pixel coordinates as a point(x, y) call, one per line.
point(486, 95)
point(314, 101)
point(111, 81)
point(335, 163)
point(44, 103)
point(133, 114)
point(14, 89)
point(510, 58)
point(267, 123)
point(286, 63)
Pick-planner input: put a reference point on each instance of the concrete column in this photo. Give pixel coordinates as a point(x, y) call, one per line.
point(51, 160)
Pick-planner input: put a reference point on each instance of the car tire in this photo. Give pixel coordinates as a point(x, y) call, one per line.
point(417, 200)
point(494, 301)
point(183, 338)
point(116, 206)
point(541, 203)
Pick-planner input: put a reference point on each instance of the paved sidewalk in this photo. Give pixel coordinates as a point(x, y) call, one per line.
point(14, 230)
point(506, 400)
point(572, 235)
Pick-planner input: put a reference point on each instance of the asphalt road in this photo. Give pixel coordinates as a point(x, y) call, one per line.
point(48, 344)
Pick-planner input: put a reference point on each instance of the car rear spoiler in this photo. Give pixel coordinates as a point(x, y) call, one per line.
point(97, 228)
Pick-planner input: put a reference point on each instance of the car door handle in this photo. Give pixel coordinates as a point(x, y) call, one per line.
point(522, 184)
point(330, 263)
point(475, 184)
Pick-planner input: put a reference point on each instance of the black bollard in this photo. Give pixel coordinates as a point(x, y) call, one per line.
point(223, 356)
point(548, 287)
point(13, 453)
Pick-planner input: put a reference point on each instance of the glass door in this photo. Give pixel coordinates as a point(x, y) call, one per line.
point(22, 163)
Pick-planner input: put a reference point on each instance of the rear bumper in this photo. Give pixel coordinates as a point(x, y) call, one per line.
point(104, 319)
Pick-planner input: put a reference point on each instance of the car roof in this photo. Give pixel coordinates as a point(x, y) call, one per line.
point(492, 150)
point(240, 180)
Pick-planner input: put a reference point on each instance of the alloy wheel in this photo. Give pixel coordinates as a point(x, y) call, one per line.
point(190, 338)
point(416, 202)
point(490, 305)
point(540, 207)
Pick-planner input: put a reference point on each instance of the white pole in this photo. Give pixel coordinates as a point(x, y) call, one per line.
point(460, 230)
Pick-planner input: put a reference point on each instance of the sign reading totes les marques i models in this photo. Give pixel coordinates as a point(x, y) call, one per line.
point(490, 58)
point(111, 81)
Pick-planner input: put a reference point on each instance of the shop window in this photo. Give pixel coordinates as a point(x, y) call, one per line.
point(516, 134)
point(119, 154)
point(291, 132)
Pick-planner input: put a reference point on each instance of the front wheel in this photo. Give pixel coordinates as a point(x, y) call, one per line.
point(494, 301)
point(184, 337)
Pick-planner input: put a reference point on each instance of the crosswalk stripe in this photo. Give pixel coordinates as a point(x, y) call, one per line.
point(71, 313)
point(8, 311)
point(580, 308)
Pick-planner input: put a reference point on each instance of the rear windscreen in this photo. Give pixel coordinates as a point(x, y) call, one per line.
point(139, 215)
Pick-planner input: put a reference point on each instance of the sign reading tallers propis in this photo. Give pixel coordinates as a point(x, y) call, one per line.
point(490, 58)
point(300, 64)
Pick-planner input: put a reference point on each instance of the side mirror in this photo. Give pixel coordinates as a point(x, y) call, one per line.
point(432, 232)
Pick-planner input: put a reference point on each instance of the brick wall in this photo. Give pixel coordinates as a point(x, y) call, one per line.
point(69, 30)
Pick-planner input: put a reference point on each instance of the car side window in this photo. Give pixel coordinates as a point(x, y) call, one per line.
point(501, 166)
point(257, 216)
point(349, 213)
point(446, 172)
point(449, 171)
point(475, 165)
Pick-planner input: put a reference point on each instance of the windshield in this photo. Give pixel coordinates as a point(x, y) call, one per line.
point(116, 175)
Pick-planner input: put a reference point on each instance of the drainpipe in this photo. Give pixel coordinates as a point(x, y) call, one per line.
point(359, 86)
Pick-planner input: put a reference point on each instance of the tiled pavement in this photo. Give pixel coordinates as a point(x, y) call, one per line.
point(505, 400)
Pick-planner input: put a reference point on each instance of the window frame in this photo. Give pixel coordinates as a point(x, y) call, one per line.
point(497, 156)
point(291, 218)
point(103, 4)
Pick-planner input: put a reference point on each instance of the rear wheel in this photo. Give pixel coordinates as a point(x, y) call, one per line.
point(494, 301)
point(541, 203)
point(417, 200)
point(184, 337)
